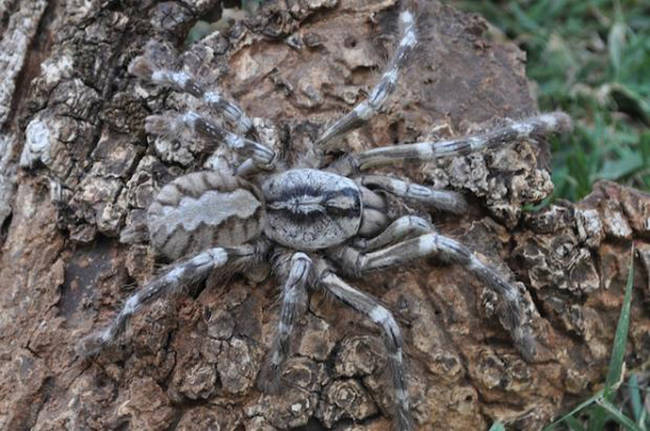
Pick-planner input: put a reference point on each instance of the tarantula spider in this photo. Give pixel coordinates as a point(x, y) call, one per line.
point(311, 222)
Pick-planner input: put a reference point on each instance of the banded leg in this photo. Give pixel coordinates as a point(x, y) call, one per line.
point(172, 124)
point(444, 200)
point(384, 88)
point(380, 315)
point(294, 304)
point(250, 167)
point(172, 281)
point(541, 125)
point(434, 244)
point(155, 66)
point(247, 167)
point(404, 227)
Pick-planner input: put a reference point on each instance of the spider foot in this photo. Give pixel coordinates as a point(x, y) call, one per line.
point(269, 379)
point(515, 320)
point(91, 345)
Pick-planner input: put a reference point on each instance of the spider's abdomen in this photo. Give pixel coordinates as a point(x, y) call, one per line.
point(307, 209)
point(203, 209)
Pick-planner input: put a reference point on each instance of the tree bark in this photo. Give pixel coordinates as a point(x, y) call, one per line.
point(77, 167)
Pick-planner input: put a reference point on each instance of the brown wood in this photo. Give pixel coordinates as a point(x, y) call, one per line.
point(76, 166)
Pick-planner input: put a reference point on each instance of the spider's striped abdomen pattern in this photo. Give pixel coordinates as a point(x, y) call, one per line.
point(203, 208)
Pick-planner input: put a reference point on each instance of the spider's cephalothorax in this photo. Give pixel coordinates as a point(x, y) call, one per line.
point(335, 218)
point(307, 209)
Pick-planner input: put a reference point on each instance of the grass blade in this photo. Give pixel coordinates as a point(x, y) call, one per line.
point(617, 416)
point(635, 397)
point(615, 372)
point(593, 399)
point(617, 362)
point(616, 44)
point(574, 424)
point(497, 426)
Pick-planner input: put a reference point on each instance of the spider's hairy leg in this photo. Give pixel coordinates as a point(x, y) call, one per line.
point(407, 226)
point(173, 280)
point(533, 127)
point(433, 244)
point(250, 167)
point(171, 124)
point(384, 88)
point(153, 66)
point(380, 315)
point(247, 167)
point(444, 200)
point(294, 304)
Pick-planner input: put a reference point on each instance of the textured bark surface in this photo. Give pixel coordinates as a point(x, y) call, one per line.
point(77, 167)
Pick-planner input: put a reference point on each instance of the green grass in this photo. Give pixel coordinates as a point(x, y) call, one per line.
point(590, 58)
point(618, 402)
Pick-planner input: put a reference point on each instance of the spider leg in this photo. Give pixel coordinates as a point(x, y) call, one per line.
point(434, 244)
point(370, 307)
point(380, 92)
point(172, 124)
point(533, 127)
point(294, 304)
point(153, 66)
point(247, 167)
point(404, 227)
point(171, 281)
point(444, 200)
point(540, 125)
point(250, 167)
